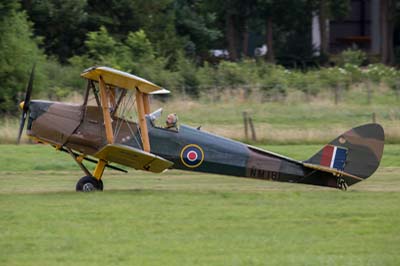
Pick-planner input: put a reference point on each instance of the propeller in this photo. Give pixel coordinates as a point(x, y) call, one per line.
point(25, 104)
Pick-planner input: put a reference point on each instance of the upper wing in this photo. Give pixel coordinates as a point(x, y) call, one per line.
point(120, 79)
point(134, 158)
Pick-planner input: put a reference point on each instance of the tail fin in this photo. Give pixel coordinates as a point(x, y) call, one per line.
point(353, 156)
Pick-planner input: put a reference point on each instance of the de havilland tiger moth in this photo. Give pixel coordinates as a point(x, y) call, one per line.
point(119, 129)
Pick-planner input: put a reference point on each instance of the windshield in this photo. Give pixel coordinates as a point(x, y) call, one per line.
point(156, 114)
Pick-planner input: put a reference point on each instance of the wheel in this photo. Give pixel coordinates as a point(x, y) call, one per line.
point(88, 184)
point(342, 184)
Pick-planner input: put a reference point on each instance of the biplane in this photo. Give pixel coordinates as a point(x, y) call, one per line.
point(119, 129)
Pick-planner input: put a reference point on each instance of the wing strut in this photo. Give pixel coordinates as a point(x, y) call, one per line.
point(146, 103)
point(140, 102)
point(106, 111)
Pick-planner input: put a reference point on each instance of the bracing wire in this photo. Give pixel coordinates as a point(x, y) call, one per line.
point(126, 113)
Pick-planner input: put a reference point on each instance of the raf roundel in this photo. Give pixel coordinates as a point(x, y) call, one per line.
point(192, 155)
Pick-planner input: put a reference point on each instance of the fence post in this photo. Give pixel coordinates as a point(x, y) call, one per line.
point(253, 132)
point(245, 123)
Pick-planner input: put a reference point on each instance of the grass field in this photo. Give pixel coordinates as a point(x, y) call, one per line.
point(183, 218)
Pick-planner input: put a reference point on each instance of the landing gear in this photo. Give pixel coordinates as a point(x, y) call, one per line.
point(88, 184)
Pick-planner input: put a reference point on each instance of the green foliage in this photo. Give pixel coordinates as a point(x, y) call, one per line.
point(355, 72)
point(379, 72)
point(189, 81)
point(18, 52)
point(339, 9)
point(335, 76)
point(140, 46)
point(391, 77)
point(274, 82)
point(102, 48)
point(207, 75)
point(8, 7)
point(61, 81)
point(135, 54)
point(197, 26)
point(250, 70)
point(309, 82)
point(352, 56)
point(230, 74)
point(61, 23)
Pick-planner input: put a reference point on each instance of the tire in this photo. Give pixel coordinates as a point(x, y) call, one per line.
point(89, 184)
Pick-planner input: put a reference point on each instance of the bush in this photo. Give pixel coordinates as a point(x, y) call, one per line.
point(207, 76)
point(230, 74)
point(309, 83)
point(274, 83)
point(352, 56)
point(379, 72)
point(354, 71)
point(335, 76)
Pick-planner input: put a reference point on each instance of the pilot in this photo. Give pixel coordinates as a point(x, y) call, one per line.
point(171, 122)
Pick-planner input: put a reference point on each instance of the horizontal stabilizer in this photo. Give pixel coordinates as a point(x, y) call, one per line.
point(132, 157)
point(333, 171)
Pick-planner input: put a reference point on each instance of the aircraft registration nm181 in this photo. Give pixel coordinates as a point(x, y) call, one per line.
point(108, 133)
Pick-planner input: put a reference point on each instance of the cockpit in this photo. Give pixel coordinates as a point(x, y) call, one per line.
point(171, 122)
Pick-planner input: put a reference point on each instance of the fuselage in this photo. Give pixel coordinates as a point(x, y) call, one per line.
point(82, 129)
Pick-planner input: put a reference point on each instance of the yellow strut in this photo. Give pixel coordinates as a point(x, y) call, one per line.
point(142, 120)
point(106, 111)
point(146, 103)
point(99, 170)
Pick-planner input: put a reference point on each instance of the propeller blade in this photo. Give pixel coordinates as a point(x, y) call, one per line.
point(21, 126)
point(27, 100)
point(29, 89)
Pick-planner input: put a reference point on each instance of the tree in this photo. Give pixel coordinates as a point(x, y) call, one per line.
point(61, 23)
point(323, 14)
point(267, 11)
point(7, 8)
point(18, 52)
point(248, 9)
point(387, 22)
point(155, 17)
point(227, 12)
point(328, 9)
point(282, 19)
point(197, 25)
point(233, 20)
